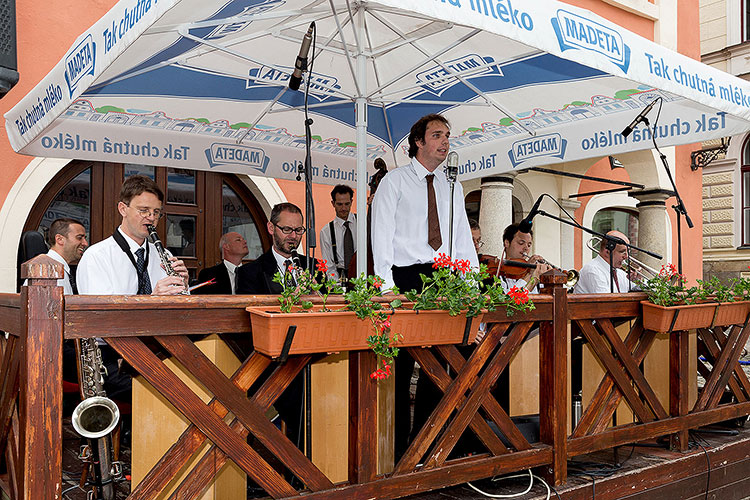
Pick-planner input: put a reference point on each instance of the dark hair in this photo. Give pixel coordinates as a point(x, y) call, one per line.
point(341, 189)
point(510, 232)
point(419, 128)
point(60, 226)
point(283, 207)
point(473, 224)
point(138, 184)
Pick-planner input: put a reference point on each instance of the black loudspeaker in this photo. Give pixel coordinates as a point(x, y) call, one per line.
point(8, 61)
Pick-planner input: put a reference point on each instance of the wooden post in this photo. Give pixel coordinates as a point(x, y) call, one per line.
point(363, 410)
point(678, 384)
point(553, 377)
point(40, 397)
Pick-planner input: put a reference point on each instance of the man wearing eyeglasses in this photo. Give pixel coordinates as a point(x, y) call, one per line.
point(286, 228)
point(126, 263)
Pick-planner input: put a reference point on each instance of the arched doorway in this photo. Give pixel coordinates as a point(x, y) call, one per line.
point(199, 207)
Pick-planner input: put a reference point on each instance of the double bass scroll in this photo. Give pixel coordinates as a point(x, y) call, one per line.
point(380, 170)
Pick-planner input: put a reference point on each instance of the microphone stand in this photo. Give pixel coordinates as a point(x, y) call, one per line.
point(310, 243)
point(451, 173)
point(611, 240)
point(679, 207)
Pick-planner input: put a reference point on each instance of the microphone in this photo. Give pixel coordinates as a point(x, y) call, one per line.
point(300, 64)
point(525, 225)
point(451, 166)
point(640, 118)
point(295, 258)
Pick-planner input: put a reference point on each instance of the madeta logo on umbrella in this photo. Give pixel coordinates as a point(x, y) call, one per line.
point(577, 32)
point(544, 145)
point(438, 78)
point(80, 62)
point(235, 154)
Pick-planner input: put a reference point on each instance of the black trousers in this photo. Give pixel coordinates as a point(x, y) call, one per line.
point(427, 394)
point(405, 278)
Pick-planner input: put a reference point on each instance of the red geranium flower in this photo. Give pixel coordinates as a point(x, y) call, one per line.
point(442, 260)
point(519, 295)
point(322, 266)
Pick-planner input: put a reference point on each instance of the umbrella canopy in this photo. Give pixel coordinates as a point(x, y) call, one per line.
point(202, 84)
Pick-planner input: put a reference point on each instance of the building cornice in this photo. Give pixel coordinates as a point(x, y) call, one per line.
point(642, 8)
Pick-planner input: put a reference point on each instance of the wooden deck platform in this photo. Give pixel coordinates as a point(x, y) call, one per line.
point(716, 461)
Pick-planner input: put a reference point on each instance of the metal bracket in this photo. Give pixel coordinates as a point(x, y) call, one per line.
point(287, 343)
point(703, 157)
point(467, 330)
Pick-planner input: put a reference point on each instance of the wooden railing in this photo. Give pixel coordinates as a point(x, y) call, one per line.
point(37, 320)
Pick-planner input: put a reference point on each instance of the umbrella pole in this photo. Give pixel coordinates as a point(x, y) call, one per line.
point(360, 104)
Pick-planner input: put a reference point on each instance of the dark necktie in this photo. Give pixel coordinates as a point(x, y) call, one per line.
point(617, 283)
point(433, 223)
point(288, 278)
point(144, 283)
point(72, 281)
point(348, 244)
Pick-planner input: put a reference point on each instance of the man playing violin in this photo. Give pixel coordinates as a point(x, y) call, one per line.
point(517, 246)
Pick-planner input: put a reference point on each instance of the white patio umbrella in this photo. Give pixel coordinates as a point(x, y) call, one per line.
point(202, 84)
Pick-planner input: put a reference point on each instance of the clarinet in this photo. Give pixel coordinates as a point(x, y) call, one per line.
point(154, 237)
point(95, 417)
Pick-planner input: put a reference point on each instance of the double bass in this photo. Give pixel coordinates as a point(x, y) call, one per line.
point(380, 170)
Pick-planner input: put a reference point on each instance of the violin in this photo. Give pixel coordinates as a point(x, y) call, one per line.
point(491, 261)
point(515, 268)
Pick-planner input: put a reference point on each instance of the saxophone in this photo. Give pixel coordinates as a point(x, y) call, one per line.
point(94, 419)
point(153, 236)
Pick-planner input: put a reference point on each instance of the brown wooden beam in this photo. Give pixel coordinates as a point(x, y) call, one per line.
point(363, 421)
point(40, 394)
point(553, 379)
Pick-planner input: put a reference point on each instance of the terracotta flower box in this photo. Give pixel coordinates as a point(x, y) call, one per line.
point(341, 330)
point(659, 318)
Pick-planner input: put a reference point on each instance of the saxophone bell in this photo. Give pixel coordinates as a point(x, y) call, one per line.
point(95, 417)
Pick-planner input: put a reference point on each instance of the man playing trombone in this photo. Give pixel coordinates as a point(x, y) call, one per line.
point(598, 277)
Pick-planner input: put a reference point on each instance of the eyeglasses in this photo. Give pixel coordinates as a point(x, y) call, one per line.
point(147, 212)
point(290, 230)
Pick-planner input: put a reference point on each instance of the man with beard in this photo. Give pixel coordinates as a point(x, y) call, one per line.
point(67, 240)
point(286, 228)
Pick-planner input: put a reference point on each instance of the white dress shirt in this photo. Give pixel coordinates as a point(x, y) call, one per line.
point(106, 270)
point(281, 264)
point(399, 221)
point(232, 272)
point(509, 283)
point(326, 245)
point(64, 281)
point(594, 278)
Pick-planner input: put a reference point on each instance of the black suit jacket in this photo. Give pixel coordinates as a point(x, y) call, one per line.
point(222, 286)
point(256, 278)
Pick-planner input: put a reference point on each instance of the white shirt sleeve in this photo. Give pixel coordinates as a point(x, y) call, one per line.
point(383, 218)
point(94, 275)
point(326, 250)
point(463, 244)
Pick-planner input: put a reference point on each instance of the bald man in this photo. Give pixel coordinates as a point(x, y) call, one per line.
point(233, 249)
point(595, 276)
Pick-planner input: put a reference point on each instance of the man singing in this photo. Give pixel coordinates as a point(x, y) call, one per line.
point(410, 227)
